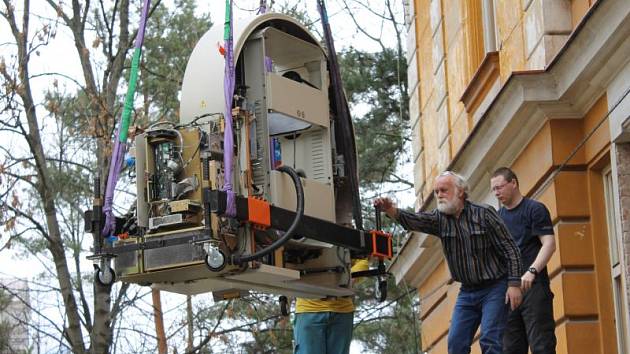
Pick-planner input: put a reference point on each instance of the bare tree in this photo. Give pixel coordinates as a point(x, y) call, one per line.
point(59, 124)
point(45, 167)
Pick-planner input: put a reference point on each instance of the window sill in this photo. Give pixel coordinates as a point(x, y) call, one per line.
point(481, 82)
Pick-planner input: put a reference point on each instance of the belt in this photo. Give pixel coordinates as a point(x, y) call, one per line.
point(327, 298)
point(483, 285)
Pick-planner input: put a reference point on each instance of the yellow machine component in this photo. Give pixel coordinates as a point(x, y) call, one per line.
point(184, 206)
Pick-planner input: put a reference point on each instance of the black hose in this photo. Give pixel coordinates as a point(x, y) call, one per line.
point(299, 212)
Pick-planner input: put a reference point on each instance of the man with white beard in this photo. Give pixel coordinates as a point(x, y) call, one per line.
point(480, 254)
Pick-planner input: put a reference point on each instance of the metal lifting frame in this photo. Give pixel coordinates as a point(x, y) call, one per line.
point(367, 243)
point(372, 243)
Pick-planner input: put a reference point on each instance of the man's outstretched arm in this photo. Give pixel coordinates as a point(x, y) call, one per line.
point(427, 222)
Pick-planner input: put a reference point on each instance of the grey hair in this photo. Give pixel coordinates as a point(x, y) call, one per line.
point(460, 181)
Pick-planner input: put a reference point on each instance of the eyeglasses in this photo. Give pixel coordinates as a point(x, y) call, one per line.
point(499, 187)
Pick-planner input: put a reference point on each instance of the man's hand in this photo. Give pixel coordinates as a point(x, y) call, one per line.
point(527, 280)
point(514, 296)
point(386, 205)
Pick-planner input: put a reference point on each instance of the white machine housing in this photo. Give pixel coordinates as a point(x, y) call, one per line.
point(294, 113)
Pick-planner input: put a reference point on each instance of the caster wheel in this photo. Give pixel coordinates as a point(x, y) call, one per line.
point(380, 289)
point(284, 305)
point(105, 277)
point(215, 260)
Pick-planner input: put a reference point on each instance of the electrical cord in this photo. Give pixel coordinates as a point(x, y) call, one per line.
point(157, 124)
point(299, 212)
point(173, 129)
point(564, 163)
point(415, 319)
point(194, 121)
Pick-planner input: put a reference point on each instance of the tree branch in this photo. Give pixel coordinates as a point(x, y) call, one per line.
point(82, 298)
point(158, 75)
point(398, 179)
point(28, 305)
point(116, 308)
point(212, 333)
point(75, 81)
point(360, 28)
point(35, 223)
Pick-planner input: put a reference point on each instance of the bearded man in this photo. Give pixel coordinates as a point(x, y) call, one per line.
point(480, 254)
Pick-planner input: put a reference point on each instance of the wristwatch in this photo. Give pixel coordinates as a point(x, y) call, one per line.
point(533, 270)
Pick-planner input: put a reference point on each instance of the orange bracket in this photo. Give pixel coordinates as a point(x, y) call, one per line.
point(259, 212)
point(381, 244)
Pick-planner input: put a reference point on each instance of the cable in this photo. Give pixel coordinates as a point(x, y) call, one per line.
point(157, 124)
point(299, 212)
point(194, 121)
point(177, 132)
point(582, 142)
point(192, 156)
point(244, 9)
point(415, 320)
point(294, 149)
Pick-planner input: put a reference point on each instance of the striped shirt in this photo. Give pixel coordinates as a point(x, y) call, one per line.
point(477, 245)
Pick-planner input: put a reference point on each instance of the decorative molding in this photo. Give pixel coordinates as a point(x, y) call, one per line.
point(481, 82)
point(419, 255)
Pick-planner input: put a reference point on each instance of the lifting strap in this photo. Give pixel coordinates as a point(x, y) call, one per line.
point(120, 142)
point(228, 90)
point(344, 132)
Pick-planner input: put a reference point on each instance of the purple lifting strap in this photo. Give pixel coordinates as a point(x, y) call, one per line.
point(228, 89)
point(120, 141)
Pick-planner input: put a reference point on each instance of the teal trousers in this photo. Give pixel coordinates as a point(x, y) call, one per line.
point(322, 333)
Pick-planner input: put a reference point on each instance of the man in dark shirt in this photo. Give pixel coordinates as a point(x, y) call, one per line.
point(480, 254)
point(532, 324)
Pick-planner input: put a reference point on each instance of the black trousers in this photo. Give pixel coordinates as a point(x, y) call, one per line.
point(532, 324)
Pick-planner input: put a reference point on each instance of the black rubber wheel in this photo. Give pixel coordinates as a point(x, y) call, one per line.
point(284, 305)
point(105, 278)
point(211, 264)
point(380, 289)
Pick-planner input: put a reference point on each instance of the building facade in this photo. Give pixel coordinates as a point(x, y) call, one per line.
point(540, 86)
point(15, 315)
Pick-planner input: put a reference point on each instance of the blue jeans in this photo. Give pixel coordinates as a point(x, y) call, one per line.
point(485, 306)
point(322, 332)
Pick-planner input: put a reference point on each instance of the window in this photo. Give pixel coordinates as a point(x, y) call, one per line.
point(481, 31)
point(489, 32)
point(612, 215)
point(483, 58)
point(475, 30)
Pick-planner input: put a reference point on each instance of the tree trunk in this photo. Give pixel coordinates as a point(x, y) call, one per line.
point(159, 321)
point(73, 331)
point(189, 317)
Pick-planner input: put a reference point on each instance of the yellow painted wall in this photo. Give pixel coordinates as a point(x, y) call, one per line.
point(579, 9)
point(448, 41)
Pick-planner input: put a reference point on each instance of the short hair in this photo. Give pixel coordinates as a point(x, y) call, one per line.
point(507, 174)
point(460, 181)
